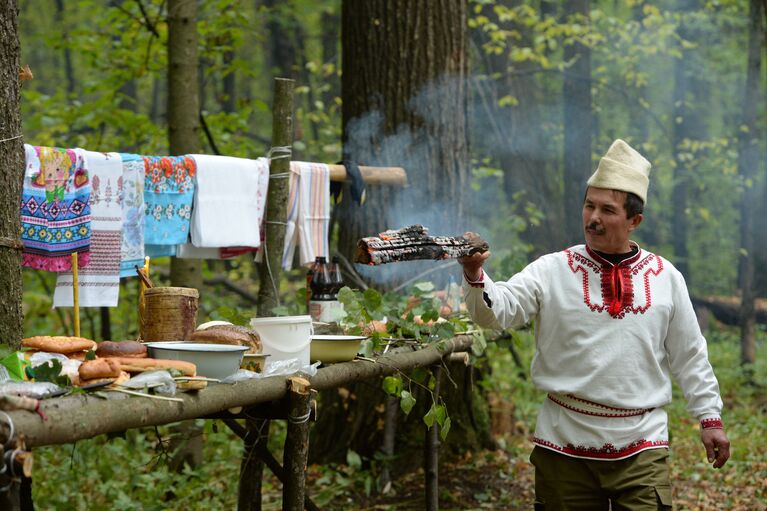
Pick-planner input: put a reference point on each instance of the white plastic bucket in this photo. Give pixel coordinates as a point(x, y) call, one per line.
point(285, 337)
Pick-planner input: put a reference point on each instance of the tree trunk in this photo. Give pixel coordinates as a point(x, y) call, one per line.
point(12, 161)
point(69, 73)
point(578, 125)
point(183, 138)
point(748, 166)
point(405, 104)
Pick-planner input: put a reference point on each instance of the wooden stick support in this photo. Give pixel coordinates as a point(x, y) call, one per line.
point(393, 176)
point(431, 452)
point(296, 444)
point(75, 295)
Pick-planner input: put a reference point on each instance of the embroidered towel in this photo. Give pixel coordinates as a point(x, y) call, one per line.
point(229, 201)
point(168, 192)
point(55, 214)
point(132, 184)
point(308, 212)
point(99, 280)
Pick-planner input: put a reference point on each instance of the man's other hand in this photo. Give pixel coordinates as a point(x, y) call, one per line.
point(717, 446)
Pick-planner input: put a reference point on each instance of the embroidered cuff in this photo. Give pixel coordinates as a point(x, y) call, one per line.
point(712, 423)
point(480, 282)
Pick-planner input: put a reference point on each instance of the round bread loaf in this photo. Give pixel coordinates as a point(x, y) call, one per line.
point(228, 334)
point(128, 349)
point(58, 343)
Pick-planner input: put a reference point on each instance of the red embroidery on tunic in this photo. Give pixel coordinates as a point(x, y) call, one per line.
point(711, 424)
point(617, 281)
point(606, 452)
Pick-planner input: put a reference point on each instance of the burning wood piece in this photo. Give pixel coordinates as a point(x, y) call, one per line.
point(412, 243)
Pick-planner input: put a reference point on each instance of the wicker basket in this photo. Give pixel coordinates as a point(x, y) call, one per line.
point(170, 313)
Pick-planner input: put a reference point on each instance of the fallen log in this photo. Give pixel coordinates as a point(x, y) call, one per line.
point(74, 418)
point(726, 309)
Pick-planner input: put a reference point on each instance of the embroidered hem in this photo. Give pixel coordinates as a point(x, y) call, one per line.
point(587, 407)
point(57, 264)
point(713, 423)
point(606, 452)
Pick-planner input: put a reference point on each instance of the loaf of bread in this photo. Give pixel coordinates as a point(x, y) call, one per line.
point(99, 368)
point(139, 365)
point(228, 334)
point(58, 344)
point(129, 349)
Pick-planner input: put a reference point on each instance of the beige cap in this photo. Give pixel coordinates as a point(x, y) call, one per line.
point(622, 168)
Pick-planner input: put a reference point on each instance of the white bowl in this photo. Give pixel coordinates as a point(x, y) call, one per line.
point(212, 360)
point(335, 348)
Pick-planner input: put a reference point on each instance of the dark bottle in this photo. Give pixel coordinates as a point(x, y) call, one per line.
point(324, 305)
point(309, 277)
point(335, 275)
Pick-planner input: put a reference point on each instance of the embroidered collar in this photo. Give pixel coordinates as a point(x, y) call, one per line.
point(607, 264)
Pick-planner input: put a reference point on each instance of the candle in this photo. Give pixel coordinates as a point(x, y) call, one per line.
point(75, 294)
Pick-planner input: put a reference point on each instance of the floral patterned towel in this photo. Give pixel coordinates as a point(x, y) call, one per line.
point(168, 193)
point(55, 209)
point(133, 207)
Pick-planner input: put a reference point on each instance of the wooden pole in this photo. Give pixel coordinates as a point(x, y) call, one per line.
point(277, 197)
point(394, 176)
point(431, 454)
point(75, 295)
point(296, 450)
point(255, 435)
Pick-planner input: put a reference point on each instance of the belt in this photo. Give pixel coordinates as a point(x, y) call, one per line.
point(587, 407)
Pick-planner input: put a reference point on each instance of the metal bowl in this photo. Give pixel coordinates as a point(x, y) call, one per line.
point(334, 348)
point(212, 360)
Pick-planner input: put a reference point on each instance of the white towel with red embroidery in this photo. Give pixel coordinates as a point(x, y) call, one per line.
point(99, 280)
point(308, 213)
point(605, 355)
point(229, 201)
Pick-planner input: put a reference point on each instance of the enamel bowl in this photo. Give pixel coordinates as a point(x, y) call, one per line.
point(334, 348)
point(212, 360)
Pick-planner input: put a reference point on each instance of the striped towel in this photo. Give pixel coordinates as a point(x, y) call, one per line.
point(99, 280)
point(132, 250)
point(55, 210)
point(308, 213)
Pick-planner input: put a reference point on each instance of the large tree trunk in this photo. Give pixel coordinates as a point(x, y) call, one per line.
point(404, 104)
point(11, 177)
point(183, 138)
point(578, 125)
point(748, 165)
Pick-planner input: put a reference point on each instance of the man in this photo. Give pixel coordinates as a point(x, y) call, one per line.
point(612, 323)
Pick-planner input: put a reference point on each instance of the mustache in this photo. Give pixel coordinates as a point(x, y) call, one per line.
point(594, 228)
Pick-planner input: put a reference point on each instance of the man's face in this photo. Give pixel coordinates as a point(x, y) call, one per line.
point(605, 225)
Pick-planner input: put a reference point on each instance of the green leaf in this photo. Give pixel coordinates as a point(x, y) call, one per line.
point(372, 299)
point(49, 371)
point(424, 287)
point(407, 401)
point(392, 385)
point(430, 416)
point(445, 428)
point(353, 460)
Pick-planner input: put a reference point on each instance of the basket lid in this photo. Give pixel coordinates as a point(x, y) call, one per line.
point(173, 291)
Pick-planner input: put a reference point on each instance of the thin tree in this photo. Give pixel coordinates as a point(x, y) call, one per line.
point(749, 140)
point(578, 123)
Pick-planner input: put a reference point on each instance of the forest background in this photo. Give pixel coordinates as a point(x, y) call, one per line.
point(549, 86)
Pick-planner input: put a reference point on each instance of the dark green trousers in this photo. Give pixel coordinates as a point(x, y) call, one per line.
point(638, 483)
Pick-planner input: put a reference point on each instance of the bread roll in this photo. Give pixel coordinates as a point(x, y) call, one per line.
point(58, 344)
point(228, 334)
point(139, 365)
point(129, 349)
point(99, 368)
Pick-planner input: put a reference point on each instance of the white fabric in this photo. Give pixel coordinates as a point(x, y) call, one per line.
point(623, 361)
point(133, 209)
point(189, 251)
point(99, 280)
point(229, 201)
point(622, 168)
point(308, 217)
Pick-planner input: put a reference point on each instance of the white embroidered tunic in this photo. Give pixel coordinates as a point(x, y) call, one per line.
point(608, 339)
